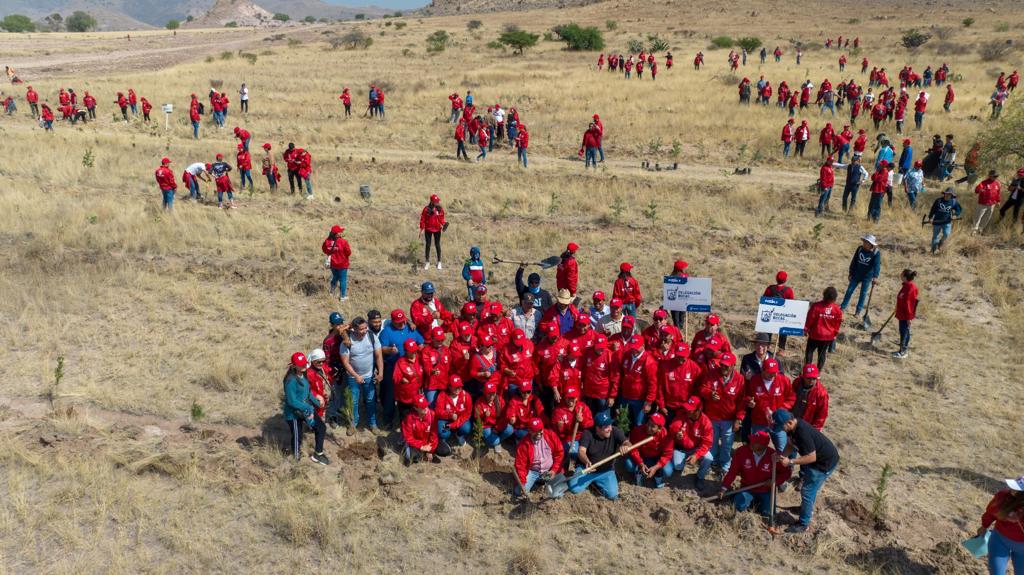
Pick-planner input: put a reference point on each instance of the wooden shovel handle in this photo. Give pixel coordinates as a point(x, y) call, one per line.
point(615, 455)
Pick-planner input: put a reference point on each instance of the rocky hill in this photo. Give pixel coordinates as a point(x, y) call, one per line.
point(241, 12)
point(441, 7)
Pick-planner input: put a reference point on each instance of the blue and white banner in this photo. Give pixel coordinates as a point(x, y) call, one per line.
point(781, 316)
point(687, 294)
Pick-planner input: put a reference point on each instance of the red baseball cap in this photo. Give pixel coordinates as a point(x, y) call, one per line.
point(299, 360)
point(680, 265)
point(421, 402)
point(398, 316)
point(713, 319)
point(165, 161)
point(616, 303)
point(658, 419)
point(526, 386)
point(628, 321)
point(455, 381)
point(465, 328)
point(411, 346)
point(266, 146)
point(598, 296)
point(469, 308)
point(572, 247)
point(486, 340)
point(551, 329)
point(781, 277)
point(572, 392)
point(575, 351)
point(518, 336)
point(660, 314)
point(771, 367)
point(625, 267)
point(435, 199)
point(535, 425)
point(437, 334)
point(759, 438)
point(601, 342)
point(692, 404)
point(810, 371)
point(682, 349)
point(337, 229)
point(727, 359)
point(490, 387)
point(583, 319)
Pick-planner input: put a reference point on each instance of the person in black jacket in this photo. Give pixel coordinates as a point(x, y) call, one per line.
point(816, 455)
point(865, 266)
point(541, 297)
point(944, 211)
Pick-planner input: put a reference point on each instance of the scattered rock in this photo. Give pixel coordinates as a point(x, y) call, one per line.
point(49, 439)
point(153, 430)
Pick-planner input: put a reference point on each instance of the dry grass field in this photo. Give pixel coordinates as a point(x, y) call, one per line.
point(158, 314)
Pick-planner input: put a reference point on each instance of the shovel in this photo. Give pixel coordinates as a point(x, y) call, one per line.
point(877, 336)
point(559, 484)
point(867, 310)
point(740, 490)
point(546, 263)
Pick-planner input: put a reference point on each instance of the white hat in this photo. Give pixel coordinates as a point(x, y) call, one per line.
point(870, 238)
point(317, 355)
point(1016, 484)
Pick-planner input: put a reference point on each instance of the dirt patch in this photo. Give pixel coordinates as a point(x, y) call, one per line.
point(854, 514)
point(362, 450)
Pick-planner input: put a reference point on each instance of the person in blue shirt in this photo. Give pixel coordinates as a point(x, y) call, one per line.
point(865, 266)
point(913, 183)
point(392, 344)
point(469, 98)
point(944, 211)
point(473, 272)
point(885, 152)
point(906, 158)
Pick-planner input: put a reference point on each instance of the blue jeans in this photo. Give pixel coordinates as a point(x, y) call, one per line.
point(271, 180)
point(918, 119)
point(606, 483)
point(444, 431)
point(193, 188)
point(195, 130)
point(600, 150)
point(245, 175)
point(944, 230)
point(521, 153)
point(875, 206)
point(831, 107)
point(843, 150)
point(635, 408)
point(135, 109)
point(590, 158)
point(220, 197)
point(460, 150)
point(659, 478)
point(362, 393)
point(309, 186)
point(339, 278)
point(779, 439)
point(785, 149)
point(904, 334)
point(483, 153)
point(629, 309)
point(865, 286)
point(1000, 551)
point(520, 433)
point(912, 198)
point(431, 395)
point(168, 201)
point(826, 193)
point(245, 143)
point(531, 478)
point(679, 462)
point(812, 482)
point(743, 501)
point(387, 394)
point(721, 444)
point(493, 439)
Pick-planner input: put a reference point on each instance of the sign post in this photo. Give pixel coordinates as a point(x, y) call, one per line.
point(167, 108)
point(781, 316)
point(686, 294)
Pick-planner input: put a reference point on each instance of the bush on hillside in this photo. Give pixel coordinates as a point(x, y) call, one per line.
point(1001, 144)
point(578, 38)
point(80, 22)
point(967, 22)
point(914, 39)
point(360, 16)
point(610, 25)
point(231, 24)
point(749, 43)
point(518, 39)
point(657, 44)
point(173, 24)
point(438, 41)
point(722, 42)
point(994, 50)
point(634, 45)
point(281, 17)
point(474, 24)
point(351, 40)
point(309, 19)
point(17, 23)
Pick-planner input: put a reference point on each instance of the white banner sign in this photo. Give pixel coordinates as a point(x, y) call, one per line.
point(781, 316)
point(687, 294)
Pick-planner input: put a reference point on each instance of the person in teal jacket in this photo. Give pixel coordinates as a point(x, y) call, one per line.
point(298, 401)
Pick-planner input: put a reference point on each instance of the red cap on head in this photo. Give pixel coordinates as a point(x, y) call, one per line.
point(266, 146)
point(781, 277)
point(680, 265)
point(727, 359)
point(760, 438)
point(518, 336)
point(598, 296)
point(810, 371)
point(658, 419)
point(660, 314)
point(573, 247)
point(713, 319)
point(583, 319)
point(165, 161)
point(919, 163)
point(411, 346)
point(398, 316)
point(465, 328)
point(299, 360)
point(220, 156)
point(682, 349)
point(437, 333)
point(906, 142)
point(455, 381)
point(575, 351)
point(692, 404)
point(625, 267)
point(490, 387)
point(628, 321)
point(771, 367)
point(616, 303)
point(550, 329)
point(435, 199)
point(241, 146)
point(601, 342)
point(572, 392)
point(535, 425)
point(469, 308)
point(526, 386)
point(486, 340)
point(421, 402)
point(495, 308)
point(337, 229)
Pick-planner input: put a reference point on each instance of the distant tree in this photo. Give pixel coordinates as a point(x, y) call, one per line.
point(17, 23)
point(281, 17)
point(967, 22)
point(578, 38)
point(80, 22)
point(360, 16)
point(438, 41)
point(351, 40)
point(173, 24)
point(231, 24)
point(189, 18)
point(55, 22)
point(518, 40)
point(309, 19)
point(1001, 144)
point(914, 39)
point(397, 14)
point(474, 24)
point(749, 43)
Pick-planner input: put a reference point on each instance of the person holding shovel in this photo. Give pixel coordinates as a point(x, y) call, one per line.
point(541, 297)
point(906, 310)
point(595, 445)
point(691, 435)
point(754, 468)
point(1004, 517)
point(817, 458)
point(865, 266)
point(538, 457)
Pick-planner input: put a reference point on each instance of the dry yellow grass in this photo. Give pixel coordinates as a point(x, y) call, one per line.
point(153, 312)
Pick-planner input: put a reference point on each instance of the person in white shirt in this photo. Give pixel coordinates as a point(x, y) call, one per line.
point(243, 96)
point(611, 324)
point(196, 172)
point(526, 317)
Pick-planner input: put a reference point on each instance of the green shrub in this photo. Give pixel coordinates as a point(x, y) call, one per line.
point(17, 23)
point(474, 24)
point(360, 16)
point(80, 22)
point(1003, 27)
point(309, 19)
point(281, 17)
point(749, 43)
point(438, 41)
point(227, 55)
point(634, 45)
point(913, 39)
point(231, 24)
point(610, 25)
point(967, 22)
point(577, 38)
point(173, 24)
point(657, 44)
point(400, 25)
point(722, 42)
point(518, 40)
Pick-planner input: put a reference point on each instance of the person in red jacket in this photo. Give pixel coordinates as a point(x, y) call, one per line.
point(146, 109)
point(436, 361)
point(517, 359)
point(636, 385)
point(195, 118)
point(304, 168)
point(710, 338)
point(949, 99)
point(678, 380)
point(788, 132)
point(338, 251)
point(660, 331)
point(567, 274)
point(691, 436)
point(767, 391)
point(906, 310)
point(489, 411)
point(408, 378)
point(1004, 518)
point(824, 318)
point(568, 373)
point(427, 311)
point(419, 430)
point(571, 414)
point(988, 191)
point(243, 161)
point(482, 139)
point(319, 383)
point(432, 223)
point(133, 101)
point(753, 464)
point(590, 145)
point(722, 392)
point(244, 137)
point(627, 289)
point(89, 101)
point(538, 456)
point(811, 403)
point(164, 179)
point(32, 97)
point(460, 141)
point(598, 365)
point(453, 408)
point(522, 143)
point(46, 116)
point(346, 100)
point(826, 179)
point(652, 460)
point(461, 350)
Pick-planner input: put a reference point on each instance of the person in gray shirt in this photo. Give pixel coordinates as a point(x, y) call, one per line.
point(363, 364)
point(526, 317)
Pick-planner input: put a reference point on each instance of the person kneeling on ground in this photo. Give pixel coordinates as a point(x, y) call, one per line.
point(652, 460)
point(753, 464)
point(597, 444)
point(538, 456)
point(420, 433)
point(454, 407)
point(489, 413)
point(691, 437)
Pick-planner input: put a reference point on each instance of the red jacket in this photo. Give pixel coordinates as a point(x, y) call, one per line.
point(460, 132)
point(423, 318)
point(432, 220)
point(678, 380)
point(491, 415)
point(591, 139)
point(305, 163)
point(165, 178)
point(688, 435)
point(408, 378)
point(318, 383)
point(950, 96)
point(146, 106)
point(638, 379)
point(519, 360)
point(652, 335)
point(729, 405)
point(32, 96)
point(816, 410)
point(46, 114)
point(780, 396)
point(454, 409)
point(906, 302)
point(860, 143)
point(628, 290)
point(437, 359)
point(243, 135)
point(701, 340)
point(338, 249)
point(567, 274)
point(661, 447)
point(419, 431)
point(481, 137)
point(787, 133)
point(193, 114)
point(988, 192)
point(547, 355)
point(597, 373)
point(752, 472)
point(89, 102)
point(132, 98)
point(1012, 527)
point(461, 353)
point(920, 105)
point(564, 419)
point(244, 160)
point(523, 411)
point(525, 456)
point(346, 98)
point(523, 140)
point(826, 176)
point(879, 181)
point(565, 375)
point(823, 321)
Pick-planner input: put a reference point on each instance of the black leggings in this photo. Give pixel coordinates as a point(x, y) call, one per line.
point(319, 432)
point(296, 427)
point(293, 178)
point(426, 245)
point(245, 105)
point(820, 346)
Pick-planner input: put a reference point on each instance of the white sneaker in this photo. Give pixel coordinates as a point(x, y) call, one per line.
point(497, 450)
point(426, 266)
point(438, 265)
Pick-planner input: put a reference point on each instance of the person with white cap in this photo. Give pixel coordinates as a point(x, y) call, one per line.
point(1004, 517)
point(865, 266)
point(319, 384)
point(944, 212)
